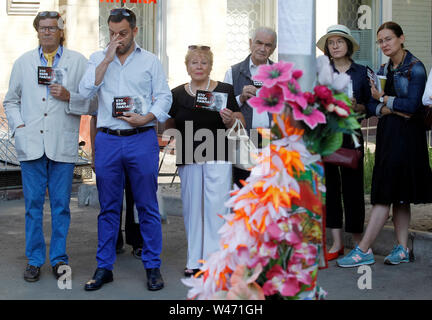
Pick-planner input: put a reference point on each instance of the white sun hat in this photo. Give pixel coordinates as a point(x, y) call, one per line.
point(337, 30)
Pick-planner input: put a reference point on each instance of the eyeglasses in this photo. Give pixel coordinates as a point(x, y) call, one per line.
point(339, 42)
point(381, 42)
point(51, 29)
point(116, 12)
point(194, 47)
point(52, 14)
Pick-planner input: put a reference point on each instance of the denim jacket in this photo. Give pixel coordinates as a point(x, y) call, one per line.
point(409, 82)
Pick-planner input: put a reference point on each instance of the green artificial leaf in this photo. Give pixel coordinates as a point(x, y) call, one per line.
point(345, 127)
point(276, 131)
point(331, 143)
point(343, 97)
point(334, 123)
point(286, 256)
point(352, 123)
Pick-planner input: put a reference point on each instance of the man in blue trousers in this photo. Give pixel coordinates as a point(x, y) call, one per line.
point(127, 144)
point(44, 117)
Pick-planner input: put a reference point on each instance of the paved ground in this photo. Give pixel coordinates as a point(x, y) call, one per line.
point(409, 281)
point(129, 274)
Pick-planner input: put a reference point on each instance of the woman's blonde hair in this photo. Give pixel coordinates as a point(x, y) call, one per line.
point(199, 50)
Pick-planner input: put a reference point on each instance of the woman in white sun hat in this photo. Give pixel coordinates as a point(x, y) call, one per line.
point(345, 184)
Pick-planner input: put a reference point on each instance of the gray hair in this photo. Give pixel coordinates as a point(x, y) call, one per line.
point(266, 30)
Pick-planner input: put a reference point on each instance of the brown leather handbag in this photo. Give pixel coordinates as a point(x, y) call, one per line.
point(349, 158)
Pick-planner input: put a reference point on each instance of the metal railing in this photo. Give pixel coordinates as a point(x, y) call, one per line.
point(169, 148)
point(369, 132)
point(8, 155)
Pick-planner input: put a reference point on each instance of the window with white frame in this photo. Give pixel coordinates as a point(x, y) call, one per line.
point(22, 7)
point(242, 18)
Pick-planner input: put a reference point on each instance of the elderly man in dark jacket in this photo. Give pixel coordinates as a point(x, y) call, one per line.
point(262, 44)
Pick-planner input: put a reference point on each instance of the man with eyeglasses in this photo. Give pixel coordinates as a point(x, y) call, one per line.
point(127, 144)
point(44, 118)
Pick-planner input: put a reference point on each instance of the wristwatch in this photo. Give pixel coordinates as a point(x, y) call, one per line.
point(381, 99)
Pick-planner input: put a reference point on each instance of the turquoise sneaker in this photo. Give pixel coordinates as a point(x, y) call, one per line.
point(356, 258)
point(397, 255)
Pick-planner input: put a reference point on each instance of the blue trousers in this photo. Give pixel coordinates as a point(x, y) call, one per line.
point(138, 156)
point(37, 175)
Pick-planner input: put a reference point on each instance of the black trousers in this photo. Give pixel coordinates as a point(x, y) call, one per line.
point(132, 229)
point(345, 184)
point(239, 174)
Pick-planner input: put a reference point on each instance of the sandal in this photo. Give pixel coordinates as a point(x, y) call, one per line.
point(190, 272)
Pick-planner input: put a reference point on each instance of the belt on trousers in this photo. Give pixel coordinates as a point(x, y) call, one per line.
point(126, 132)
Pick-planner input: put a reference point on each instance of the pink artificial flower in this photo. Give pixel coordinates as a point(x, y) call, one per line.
point(342, 109)
point(243, 291)
point(305, 252)
point(268, 99)
point(285, 229)
point(310, 97)
point(292, 93)
point(273, 73)
point(297, 74)
point(268, 251)
point(311, 115)
point(274, 231)
point(280, 281)
point(244, 274)
point(249, 256)
point(302, 275)
point(324, 94)
point(243, 285)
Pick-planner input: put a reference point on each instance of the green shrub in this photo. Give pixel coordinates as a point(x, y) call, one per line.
point(430, 157)
point(369, 161)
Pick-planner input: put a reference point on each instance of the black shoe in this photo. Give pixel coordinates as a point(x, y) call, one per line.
point(137, 252)
point(191, 272)
point(100, 277)
point(31, 273)
point(55, 270)
point(154, 279)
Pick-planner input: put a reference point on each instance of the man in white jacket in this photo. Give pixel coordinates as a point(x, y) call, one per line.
point(45, 119)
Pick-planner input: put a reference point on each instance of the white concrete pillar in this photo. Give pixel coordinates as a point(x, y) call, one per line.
point(296, 33)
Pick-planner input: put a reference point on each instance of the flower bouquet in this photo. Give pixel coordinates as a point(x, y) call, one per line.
point(272, 243)
point(325, 112)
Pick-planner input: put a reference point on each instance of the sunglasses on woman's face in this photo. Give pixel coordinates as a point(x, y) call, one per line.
point(194, 47)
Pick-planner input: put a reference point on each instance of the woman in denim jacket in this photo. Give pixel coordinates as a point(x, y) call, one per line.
point(401, 175)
